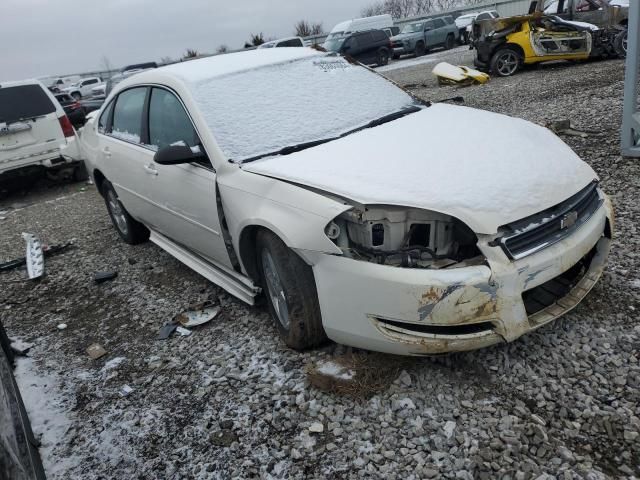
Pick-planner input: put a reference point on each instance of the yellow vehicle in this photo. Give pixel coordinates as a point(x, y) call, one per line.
point(504, 45)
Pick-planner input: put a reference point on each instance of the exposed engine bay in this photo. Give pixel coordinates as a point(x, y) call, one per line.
point(401, 237)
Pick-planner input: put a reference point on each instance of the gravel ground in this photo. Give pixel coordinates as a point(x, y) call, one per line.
point(231, 401)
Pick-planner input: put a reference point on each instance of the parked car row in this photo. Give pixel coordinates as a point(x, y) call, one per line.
point(420, 37)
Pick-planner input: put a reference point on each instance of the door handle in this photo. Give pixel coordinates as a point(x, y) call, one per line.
point(106, 152)
point(150, 169)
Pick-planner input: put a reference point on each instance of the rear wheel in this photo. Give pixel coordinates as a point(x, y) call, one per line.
point(420, 49)
point(620, 44)
point(129, 229)
point(450, 42)
point(290, 288)
point(505, 62)
point(383, 57)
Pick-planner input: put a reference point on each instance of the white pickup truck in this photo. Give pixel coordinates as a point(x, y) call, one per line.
point(83, 88)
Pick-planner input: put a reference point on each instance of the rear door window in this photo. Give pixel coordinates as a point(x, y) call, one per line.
point(438, 23)
point(294, 42)
point(127, 115)
point(169, 123)
point(380, 36)
point(24, 102)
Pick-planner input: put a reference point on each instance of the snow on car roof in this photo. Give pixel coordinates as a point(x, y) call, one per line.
point(220, 65)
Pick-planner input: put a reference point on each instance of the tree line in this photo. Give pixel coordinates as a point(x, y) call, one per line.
point(412, 8)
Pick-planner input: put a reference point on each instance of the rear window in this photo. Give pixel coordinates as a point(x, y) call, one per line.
point(379, 35)
point(438, 23)
point(294, 42)
point(23, 102)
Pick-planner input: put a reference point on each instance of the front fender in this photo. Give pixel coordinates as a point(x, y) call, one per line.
point(296, 214)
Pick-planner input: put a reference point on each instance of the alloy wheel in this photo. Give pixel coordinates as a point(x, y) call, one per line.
point(507, 63)
point(275, 288)
point(117, 212)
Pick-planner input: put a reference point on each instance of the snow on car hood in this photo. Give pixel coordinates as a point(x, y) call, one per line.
point(484, 168)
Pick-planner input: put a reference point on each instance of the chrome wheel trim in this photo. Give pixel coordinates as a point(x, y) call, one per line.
point(276, 291)
point(117, 212)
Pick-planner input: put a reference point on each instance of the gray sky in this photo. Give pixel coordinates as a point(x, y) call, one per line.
point(45, 37)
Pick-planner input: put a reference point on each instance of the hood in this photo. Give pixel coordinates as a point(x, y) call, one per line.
point(402, 36)
point(483, 168)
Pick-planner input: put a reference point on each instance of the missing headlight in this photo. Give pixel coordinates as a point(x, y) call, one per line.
point(405, 237)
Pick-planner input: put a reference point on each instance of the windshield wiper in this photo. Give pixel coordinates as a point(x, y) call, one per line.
point(303, 146)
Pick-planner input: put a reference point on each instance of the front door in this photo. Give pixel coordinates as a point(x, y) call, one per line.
point(184, 195)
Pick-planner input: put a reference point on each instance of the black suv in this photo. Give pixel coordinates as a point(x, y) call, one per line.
point(371, 47)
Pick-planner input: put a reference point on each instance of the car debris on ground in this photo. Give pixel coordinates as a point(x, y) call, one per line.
point(448, 74)
point(96, 351)
point(101, 277)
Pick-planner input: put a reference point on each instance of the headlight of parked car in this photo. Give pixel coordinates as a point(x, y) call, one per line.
point(404, 237)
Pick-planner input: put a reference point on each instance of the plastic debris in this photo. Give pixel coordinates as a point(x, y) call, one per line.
point(183, 331)
point(96, 351)
point(167, 331)
point(199, 315)
point(34, 257)
point(448, 74)
point(125, 391)
point(47, 250)
point(101, 277)
point(62, 326)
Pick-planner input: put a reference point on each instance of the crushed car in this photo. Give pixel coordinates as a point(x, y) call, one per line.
point(272, 173)
point(504, 45)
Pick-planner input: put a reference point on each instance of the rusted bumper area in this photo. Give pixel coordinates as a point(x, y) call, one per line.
point(428, 312)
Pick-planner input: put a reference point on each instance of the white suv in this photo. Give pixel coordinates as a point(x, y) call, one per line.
point(83, 88)
point(34, 131)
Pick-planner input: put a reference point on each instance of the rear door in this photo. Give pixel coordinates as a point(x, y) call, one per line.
point(440, 30)
point(29, 126)
point(431, 36)
point(121, 153)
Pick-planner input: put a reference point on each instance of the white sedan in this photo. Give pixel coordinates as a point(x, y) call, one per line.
point(360, 212)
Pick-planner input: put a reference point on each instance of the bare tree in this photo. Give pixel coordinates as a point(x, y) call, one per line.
point(222, 49)
point(105, 64)
point(306, 29)
point(191, 53)
point(256, 40)
point(166, 60)
point(410, 8)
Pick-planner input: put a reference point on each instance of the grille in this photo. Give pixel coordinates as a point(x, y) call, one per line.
point(542, 230)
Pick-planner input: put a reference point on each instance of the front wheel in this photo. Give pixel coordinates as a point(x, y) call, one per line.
point(129, 229)
point(290, 288)
point(505, 62)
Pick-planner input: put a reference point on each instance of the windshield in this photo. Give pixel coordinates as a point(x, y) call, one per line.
point(334, 44)
point(263, 110)
point(413, 28)
point(24, 102)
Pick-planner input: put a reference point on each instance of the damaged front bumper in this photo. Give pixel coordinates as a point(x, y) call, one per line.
point(426, 312)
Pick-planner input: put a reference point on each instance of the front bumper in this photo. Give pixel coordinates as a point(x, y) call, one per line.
point(427, 312)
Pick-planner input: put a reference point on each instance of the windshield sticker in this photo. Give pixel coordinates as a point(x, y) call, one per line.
point(331, 65)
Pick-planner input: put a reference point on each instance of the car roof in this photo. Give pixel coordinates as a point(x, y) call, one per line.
point(212, 67)
point(17, 83)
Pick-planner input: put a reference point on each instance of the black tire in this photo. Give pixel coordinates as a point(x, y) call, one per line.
point(302, 327)
point(130, 230)
point(383, 57)
point(396, 56)
point(80, 173)
point(506, 62)
point(620, 44)
point(449, 42)
point(420, 49)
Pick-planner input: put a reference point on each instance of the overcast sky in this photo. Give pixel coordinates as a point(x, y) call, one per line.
point(51, 37)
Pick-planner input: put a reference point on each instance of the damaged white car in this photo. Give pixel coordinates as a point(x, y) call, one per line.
point(357, 209)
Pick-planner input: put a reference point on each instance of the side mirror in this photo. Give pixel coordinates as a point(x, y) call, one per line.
point(178, 154)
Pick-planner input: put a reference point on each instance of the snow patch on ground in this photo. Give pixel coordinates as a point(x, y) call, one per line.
point(48, 412)
point(113, 363)
point(332, 369)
